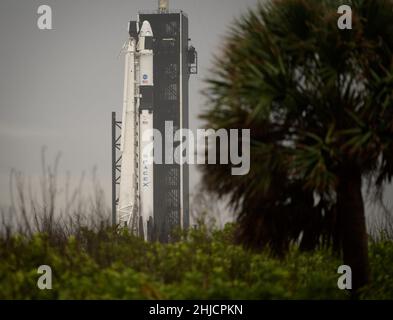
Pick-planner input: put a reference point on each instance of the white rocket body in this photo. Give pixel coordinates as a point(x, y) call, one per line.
point(146, 153)
point(127, 200)
point(146, 169)
point(136, 196)
point(146, 55)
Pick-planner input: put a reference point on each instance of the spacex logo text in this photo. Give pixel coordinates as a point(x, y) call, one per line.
point(185, 147)
point(145, 172)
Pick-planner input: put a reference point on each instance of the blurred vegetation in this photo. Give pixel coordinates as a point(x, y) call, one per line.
point(318, 102)
point(104, 263)
point(90, 259)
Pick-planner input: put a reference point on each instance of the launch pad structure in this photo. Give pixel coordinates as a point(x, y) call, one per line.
point(162, 96)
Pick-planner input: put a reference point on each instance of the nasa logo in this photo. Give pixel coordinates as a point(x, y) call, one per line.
point(145, 77)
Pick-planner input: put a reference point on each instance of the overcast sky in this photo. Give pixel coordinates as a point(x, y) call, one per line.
point(58, 87)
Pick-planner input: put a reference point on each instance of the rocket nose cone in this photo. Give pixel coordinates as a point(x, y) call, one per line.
point(146, 30)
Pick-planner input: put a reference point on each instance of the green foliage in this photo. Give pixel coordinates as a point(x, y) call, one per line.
point(381, 259)
point(205, 264)
point(319, 104)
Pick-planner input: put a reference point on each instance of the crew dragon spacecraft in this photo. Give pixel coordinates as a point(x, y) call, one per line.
point(152, 199)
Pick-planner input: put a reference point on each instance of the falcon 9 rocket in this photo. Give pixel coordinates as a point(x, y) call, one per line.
point(135, 206)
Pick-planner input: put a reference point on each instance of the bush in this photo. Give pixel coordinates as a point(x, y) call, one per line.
point(206, 264)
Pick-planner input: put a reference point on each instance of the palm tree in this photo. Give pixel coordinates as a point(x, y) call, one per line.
point(319, 103)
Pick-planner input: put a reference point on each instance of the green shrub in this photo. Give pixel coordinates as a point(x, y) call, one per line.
point(205, 264)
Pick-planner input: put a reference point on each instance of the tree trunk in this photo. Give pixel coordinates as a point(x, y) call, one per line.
point(352, 223)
